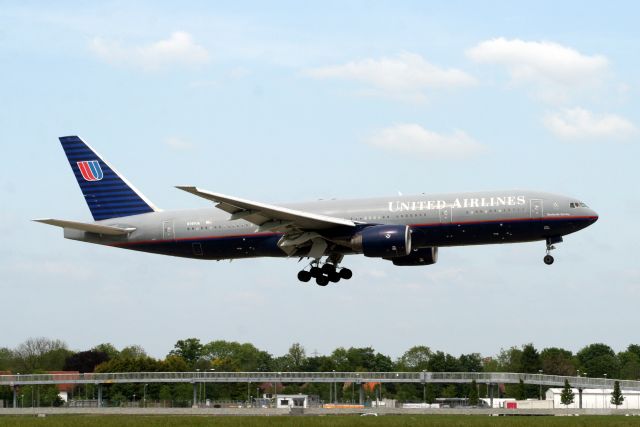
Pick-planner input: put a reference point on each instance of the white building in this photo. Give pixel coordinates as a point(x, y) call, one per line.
point(595, 398)
point(292, 401)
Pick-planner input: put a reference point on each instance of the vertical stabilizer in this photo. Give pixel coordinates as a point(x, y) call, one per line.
point(108, 194)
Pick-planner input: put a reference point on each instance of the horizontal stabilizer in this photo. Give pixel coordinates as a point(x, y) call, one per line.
point(108, 230)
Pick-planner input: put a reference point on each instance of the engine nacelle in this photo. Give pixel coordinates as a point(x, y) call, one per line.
point(383, 241)
point(422, 256)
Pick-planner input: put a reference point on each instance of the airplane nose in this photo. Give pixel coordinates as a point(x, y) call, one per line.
point(594, 216)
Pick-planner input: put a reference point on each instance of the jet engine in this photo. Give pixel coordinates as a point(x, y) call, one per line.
point(383, 241)
point(422, 256)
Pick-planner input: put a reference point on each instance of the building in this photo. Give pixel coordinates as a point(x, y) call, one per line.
point(292, 401)
point(595, 398)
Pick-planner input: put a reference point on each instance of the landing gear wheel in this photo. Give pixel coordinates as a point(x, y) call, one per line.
point(322, 280)
point(304, 276)
point(328, 269)
point(334, 277)
point(346, 274)
point(315, 272)
point(548, 259)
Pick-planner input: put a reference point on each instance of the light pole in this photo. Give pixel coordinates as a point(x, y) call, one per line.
point(603, 398)
point(276, 388)
point(144, 396)
point(213, 370)
point(424, 386)
point(540, 392)
point(335, 389)
point(199, 395)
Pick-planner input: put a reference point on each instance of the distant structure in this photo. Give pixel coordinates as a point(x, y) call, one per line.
point(595, 398)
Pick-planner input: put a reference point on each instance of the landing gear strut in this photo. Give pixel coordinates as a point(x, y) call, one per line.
point(328, 272)
point(548, 259)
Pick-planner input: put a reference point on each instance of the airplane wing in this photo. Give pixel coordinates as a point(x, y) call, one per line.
point(269, 217)
point(108, 230)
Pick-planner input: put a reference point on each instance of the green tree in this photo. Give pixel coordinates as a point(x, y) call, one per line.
point(191, 350)
point(443, 362)
point(107, 348)
point(233, 356)
point(599, 359)
point(40, 354)
point(529, 359)
point(415, 359)
point(133, 352)
point(558, 361)
point(634, 348)
point(430, 393)
point(521, 393)
point(616, 395)
point(473, 394)
point(296, 357)
point(165, 394)
point(567, 396)
point(449, 391)
point(6, 359)
point(509, 360)
point(629, 362)
point(174, 364)
point(470, 362)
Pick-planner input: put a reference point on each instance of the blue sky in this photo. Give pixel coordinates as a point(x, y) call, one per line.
point(292, 101)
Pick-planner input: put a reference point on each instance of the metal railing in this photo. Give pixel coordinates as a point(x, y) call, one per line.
point(314, 377)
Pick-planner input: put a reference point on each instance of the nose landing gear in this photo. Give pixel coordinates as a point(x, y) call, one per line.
point(548, 259)
point(328, 272)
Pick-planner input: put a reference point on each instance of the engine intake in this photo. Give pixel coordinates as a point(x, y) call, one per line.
point(383, 241)
point(422, 256)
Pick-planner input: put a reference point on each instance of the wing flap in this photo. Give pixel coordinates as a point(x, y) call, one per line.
point(261, 213)
point(108, 230)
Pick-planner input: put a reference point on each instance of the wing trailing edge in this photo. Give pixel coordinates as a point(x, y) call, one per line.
point(269, 215)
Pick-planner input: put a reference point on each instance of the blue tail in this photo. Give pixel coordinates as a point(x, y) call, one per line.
point(108, 194)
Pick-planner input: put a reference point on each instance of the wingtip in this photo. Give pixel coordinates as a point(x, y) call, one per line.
point(186, 187)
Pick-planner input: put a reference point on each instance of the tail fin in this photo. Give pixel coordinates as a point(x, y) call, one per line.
point(108, 194)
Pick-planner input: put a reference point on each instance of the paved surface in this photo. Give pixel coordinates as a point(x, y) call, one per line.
point(309, 411)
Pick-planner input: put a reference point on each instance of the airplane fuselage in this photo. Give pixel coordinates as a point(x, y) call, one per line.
point(435, 220)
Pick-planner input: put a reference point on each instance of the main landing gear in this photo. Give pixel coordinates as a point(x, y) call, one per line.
point(324, 274)
point(548, 259)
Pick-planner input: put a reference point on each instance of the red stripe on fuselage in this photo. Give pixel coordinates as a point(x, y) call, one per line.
point(186, 239)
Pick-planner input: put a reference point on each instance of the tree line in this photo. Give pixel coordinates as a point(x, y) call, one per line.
point(38, 355)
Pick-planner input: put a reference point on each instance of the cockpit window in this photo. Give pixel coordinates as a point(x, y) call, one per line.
point(578, 205)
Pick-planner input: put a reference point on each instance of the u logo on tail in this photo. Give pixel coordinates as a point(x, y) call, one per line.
point(90, 170)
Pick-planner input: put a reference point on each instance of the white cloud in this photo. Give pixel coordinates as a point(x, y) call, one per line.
point(411, 138)
point(539, 60)
point(178, 49)
point(578, 123)
point(406, 75)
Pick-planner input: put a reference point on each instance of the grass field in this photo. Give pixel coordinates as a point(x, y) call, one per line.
point(316, 421)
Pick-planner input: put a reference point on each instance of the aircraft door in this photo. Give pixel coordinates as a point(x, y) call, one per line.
point(168, 232)
point(445, 215)
point(536, 208)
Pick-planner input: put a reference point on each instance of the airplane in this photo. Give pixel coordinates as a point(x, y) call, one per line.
point(406, 230)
